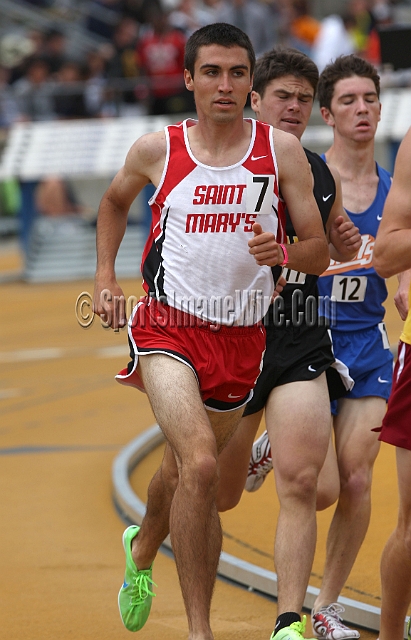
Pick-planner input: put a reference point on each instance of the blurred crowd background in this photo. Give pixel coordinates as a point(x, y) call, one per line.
point(76, 59)
point(63, 59)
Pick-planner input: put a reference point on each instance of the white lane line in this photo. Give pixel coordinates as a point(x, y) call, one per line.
point(113, 352)
point(53, 353)
point(31, 354)
point(9, 393)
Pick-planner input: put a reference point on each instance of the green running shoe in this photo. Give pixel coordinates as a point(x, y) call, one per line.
point(294, 632)
point(134, 598)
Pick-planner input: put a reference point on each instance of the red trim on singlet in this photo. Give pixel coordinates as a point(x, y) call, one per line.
point(182, 166)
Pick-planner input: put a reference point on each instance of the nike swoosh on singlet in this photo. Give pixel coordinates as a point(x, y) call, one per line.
point(381, 380)
point(311, 368)
point(379, 217)
point(257, 157)
point(231, 396)
point(325, 198)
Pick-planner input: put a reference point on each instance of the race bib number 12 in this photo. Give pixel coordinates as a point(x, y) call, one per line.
point(349, 288)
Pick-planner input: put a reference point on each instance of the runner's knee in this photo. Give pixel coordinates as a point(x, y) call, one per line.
point(200, 475)
point(357, 483)
point(297, 483)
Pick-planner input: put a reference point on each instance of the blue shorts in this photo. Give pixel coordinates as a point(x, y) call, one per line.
point(369, 359)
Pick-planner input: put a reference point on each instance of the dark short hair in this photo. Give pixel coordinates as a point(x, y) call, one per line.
point(280, 62)
point(225, 35)
point(344, 67)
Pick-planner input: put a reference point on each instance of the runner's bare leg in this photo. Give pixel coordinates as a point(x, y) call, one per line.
point(195, 437)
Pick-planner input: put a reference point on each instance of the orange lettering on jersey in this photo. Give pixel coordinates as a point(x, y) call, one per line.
point(363, 259)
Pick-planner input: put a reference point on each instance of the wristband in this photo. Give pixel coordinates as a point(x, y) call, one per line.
point(285, 252)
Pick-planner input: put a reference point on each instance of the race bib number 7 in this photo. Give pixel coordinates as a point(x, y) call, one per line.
point(259, 194)
point(349, 288)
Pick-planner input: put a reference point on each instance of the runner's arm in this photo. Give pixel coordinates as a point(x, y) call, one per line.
point(343, 236)
point(401, 296)
point(392, 249)
point(310, 254)
point(140, 166)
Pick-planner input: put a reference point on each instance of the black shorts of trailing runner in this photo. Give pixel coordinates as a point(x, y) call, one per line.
point(293, 354)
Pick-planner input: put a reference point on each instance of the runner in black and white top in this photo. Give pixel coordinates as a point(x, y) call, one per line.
point(292, 388)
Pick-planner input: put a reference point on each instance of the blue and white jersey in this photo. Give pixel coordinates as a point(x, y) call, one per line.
point(356, 289)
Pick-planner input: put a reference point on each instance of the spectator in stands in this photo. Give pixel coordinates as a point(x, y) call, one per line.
point(37, 38)
point(36, 101)
point(184, 16)
point(103, 16)
point(8, 106)
point(207, 11)
point(96, 82)
point(99, 99)
point(252, 17)
point(139, 9)
point(383, 16)
point(364, 23)
point(55, 50)
point(304, 28)
point(15, 52)
point(160, 55)
point(69, 99)
point(333, 39)
point(189, 15)
point(33, 92)
point(122, 64)
point(41, 3)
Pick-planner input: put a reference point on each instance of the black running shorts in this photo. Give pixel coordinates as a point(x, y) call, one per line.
point(293, 354)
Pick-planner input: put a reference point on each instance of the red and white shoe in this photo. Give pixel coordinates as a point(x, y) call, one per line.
point(260, 463)
point(327, 623)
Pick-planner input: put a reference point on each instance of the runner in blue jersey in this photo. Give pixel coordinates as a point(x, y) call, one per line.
point(348, 93)
point(358, 330)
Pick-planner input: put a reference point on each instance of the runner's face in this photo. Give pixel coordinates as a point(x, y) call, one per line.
point(287, 104)
point(221, 82)
point(355, 109)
